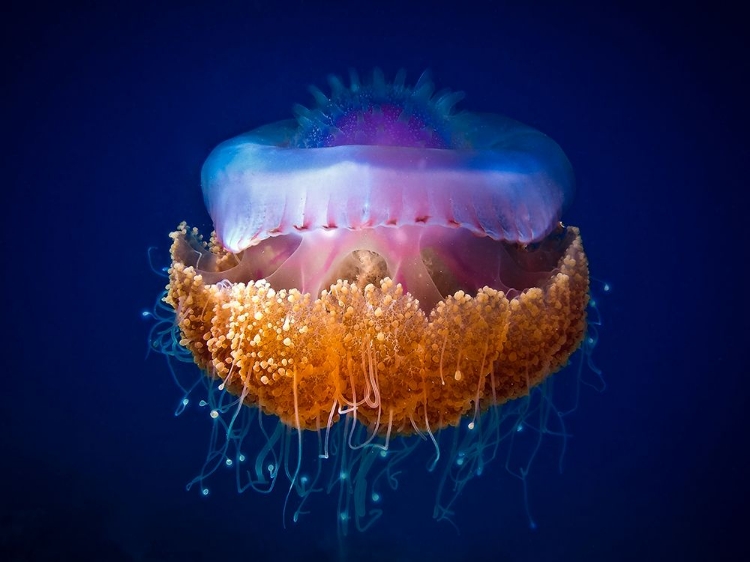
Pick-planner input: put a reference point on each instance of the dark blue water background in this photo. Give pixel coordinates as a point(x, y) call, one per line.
point(108, 114)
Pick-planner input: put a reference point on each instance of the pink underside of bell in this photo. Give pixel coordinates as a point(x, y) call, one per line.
point(427, 261)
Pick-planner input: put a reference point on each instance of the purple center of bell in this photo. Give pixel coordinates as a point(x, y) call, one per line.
point(384, 125)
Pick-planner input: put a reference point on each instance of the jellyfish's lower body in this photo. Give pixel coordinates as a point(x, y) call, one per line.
point(370, 370)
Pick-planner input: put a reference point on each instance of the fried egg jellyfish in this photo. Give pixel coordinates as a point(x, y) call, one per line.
point(384, 272)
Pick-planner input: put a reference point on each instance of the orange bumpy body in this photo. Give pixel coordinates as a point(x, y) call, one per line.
point(372, 351)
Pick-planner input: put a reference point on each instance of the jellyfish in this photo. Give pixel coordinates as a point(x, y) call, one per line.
point(382, 267)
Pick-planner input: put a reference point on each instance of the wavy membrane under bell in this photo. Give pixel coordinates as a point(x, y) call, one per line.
point(387, 275)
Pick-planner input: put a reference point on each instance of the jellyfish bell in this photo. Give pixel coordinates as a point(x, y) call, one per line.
point(390, 170)
point(382, 260)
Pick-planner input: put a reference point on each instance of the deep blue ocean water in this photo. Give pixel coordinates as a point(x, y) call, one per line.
point(109, 112)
